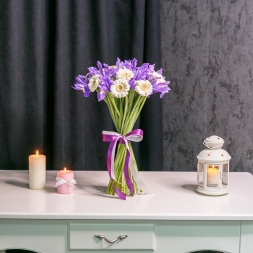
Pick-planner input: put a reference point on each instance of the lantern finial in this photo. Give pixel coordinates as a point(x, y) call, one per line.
point(213, 142)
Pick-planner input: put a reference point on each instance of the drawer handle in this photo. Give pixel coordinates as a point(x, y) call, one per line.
point(120, 237)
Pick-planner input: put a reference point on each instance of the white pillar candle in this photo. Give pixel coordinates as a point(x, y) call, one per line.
point(37, 171)
point(212, 175)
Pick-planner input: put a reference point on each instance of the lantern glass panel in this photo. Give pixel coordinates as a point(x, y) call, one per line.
point(200, 174)
point(212, 175)
point(225, 175)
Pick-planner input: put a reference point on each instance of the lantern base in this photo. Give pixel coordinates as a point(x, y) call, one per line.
point(212, 192)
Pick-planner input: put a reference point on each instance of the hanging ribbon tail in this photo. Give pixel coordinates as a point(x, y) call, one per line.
point(129, 182)
point(120, 194)
point(112, 137)
point(137, 178)
point(110, 159)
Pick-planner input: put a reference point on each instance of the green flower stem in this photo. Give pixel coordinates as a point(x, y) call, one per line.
point(110, 98)
point(124, 116)
point(112, 113)
point(119, 162)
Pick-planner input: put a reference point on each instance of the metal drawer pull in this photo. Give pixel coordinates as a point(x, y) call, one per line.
point(112, 241)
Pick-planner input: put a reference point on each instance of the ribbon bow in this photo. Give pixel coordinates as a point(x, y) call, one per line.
point(60, 181)
point(113, 137)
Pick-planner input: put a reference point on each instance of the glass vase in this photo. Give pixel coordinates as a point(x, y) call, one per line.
point(125, 112)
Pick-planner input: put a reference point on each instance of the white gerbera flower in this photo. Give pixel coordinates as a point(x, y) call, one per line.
point(124, 73)
point(143, 87)
point(120, 88)
point(93, 83)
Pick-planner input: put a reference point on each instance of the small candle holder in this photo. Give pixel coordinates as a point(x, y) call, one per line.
point(213, 168)
point(65, 182)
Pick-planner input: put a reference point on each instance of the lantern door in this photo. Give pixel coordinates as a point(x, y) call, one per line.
point(225, 170)
point(201, 167)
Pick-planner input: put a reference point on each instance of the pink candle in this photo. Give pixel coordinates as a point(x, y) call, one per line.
point(65, 175)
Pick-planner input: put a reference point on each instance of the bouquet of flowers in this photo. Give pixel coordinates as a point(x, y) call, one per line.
point(124, 87)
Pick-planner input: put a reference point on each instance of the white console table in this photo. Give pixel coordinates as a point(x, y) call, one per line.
point(173, 219)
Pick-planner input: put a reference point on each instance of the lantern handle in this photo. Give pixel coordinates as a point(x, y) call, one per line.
point(215, 147)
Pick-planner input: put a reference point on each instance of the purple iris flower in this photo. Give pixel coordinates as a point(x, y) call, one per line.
point(93, 71)
point(118, 63)
point(141, 72)
point(160, 71)
point(161, 87)
point(82, 84)
point(132, 83)
point(152, 67)
point(100, 67)
point(113, 72)
point(101, 94)
point(134, 64)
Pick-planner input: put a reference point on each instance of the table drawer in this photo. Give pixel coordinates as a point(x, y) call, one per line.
point(193, 236)
point(139, 236)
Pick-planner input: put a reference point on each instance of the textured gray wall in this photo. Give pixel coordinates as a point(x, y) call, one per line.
point(207, 53)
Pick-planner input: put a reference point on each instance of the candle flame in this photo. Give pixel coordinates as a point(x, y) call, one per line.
point(212, 167)
point(65, 169)
point(37, 152)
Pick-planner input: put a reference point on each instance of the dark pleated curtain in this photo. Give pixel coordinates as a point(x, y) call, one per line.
point(44, 44)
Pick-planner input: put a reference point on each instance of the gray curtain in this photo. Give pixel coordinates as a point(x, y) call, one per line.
point(44, 44)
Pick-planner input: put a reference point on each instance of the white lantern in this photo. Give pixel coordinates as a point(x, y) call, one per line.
point(213, 167)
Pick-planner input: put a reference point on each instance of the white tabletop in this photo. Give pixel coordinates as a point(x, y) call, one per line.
point(173, 198)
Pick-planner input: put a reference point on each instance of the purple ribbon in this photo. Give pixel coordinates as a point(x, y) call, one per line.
point(114, 137)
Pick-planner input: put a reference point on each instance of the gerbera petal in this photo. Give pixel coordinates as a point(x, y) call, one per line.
point(93, 83)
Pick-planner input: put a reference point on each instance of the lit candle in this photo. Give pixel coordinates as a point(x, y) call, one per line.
point(67, 186)
point(212, 175)
point(37, 171)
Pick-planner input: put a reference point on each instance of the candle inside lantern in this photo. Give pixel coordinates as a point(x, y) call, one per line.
point(37, 171)
point(212, 175)
point(66, 175)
